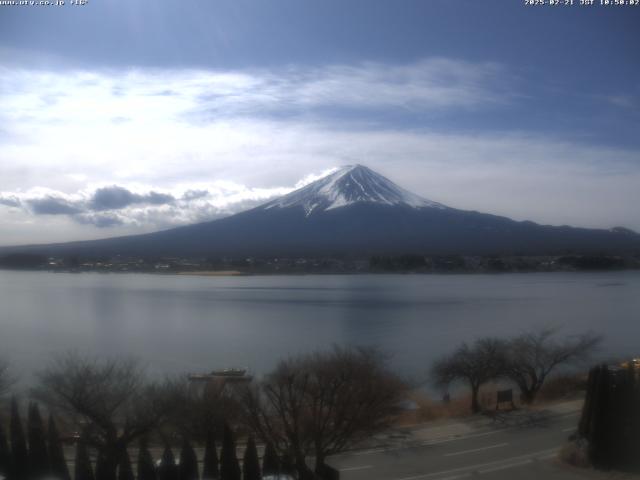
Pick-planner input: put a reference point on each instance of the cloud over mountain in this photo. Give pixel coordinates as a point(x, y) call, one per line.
point(116, 205)
point(51, 205)
point(115, 198)
point(132, 150)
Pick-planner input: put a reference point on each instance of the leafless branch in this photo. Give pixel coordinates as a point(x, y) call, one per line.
point(534, 355)
point(322, 403)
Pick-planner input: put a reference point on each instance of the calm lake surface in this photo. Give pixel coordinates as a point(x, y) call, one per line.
point(191, 324)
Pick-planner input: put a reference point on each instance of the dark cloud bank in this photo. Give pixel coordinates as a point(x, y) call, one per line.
point(115, 198)
point(100, 209)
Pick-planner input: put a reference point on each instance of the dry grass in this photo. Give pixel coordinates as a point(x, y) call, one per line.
point(429, 410)
point(563, 387)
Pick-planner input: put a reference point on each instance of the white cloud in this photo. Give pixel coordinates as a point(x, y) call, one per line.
point(623, 101)
point(143, 206)
point(75, 127)
point(434, 83)
point(217, 142)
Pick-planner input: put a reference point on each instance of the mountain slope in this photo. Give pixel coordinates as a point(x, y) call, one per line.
point(358, 212)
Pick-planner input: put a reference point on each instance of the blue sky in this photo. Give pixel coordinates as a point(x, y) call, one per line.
point(176, 112)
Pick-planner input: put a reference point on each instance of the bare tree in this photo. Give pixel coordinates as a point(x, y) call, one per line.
point(534, 355)
point(476, 364)
point(321, 404)
point(109, 400)
point(200, 412)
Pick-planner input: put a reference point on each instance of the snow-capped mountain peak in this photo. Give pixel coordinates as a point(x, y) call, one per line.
point(348, 185)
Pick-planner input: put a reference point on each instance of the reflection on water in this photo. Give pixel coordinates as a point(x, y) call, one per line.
point(180, 323)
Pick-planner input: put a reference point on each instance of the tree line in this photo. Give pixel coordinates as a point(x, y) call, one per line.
point(526, 360)
point(39, 454)
point(310, 407)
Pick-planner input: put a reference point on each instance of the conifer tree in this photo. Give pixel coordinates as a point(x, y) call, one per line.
point(57, 463)
point(5, 454)
point(210, 469)
point(146, 468)
point(623, 431)
point(599, 450)
point(83, 470)
point(168, 469)
point(287, 465)
point(250, 462)
point(188, 468)
point(270, 461)
point(632, 409)
point(38, 456)
point(102, 470)
point(19, 452)
point(229, 466)
point(611, 418)
point(635, 422)
point(125, 470)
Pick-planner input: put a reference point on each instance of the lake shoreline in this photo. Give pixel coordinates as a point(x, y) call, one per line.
point(237, 273)
point(213, 273)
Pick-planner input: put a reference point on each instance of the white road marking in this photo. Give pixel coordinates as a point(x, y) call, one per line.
point(547, 457)
point(421, 444)
point(373, 451)
point(506, 466)
point(570, 429)
point(571, 414)
point(528, 456)
point(351, 469)
point(473, 450)
point(456, 477)
point(369, 452)
point(463, 437)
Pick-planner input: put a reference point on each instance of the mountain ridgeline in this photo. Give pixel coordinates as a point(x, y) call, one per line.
point(355, 211)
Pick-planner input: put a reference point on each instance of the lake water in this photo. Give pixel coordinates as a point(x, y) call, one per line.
point(194, 324)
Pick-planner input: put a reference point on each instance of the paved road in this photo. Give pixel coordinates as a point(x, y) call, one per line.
point(505, 451)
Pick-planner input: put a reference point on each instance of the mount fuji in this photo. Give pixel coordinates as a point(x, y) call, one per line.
point(355, 211)
point(347, 186)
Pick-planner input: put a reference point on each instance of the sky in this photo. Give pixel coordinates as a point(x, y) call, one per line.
point(120, 117)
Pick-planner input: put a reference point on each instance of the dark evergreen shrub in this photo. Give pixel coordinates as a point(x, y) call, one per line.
point(83, 469)
point(19, 452)
point(270, 461)
point(38, 455)
point(210, 469)
point(5, 454)
point(57, 463)
point(250, 462)
point(229, 466)
point(102, 470)
point(287, 465)
point(168, 469)
point(188, 469)
point(125, 470)
point(611, 418)
point(146, 468)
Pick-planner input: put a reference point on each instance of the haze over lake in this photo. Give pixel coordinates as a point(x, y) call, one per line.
point(195, 324)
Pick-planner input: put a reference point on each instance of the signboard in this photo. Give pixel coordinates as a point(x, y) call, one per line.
point(505, 396)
